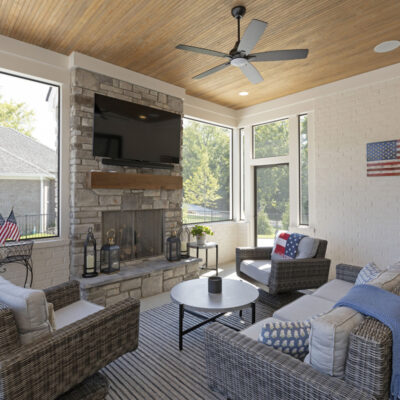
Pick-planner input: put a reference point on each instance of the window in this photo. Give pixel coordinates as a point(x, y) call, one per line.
point(29, 153)
point(206, 170)
point(271, 139)
point(303, 170)
point(242, 172)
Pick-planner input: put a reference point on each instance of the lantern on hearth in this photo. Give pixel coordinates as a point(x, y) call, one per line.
point(173, 248)
point(109, 255)
point(184, 236)
point(89, 256)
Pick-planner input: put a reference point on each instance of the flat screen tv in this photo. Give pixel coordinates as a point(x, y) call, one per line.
point(126, 133)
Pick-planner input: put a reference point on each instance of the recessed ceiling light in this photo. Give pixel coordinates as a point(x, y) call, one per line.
point(142, 116)
point(243, 93)
point(385, 47)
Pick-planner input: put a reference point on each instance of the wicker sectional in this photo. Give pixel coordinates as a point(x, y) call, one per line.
point(241, 368)
point(50, 366)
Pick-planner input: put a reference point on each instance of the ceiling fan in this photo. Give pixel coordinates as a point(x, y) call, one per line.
point(240, 55)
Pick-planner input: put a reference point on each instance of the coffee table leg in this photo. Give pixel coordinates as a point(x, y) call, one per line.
point(253, 313)
point(181, 312)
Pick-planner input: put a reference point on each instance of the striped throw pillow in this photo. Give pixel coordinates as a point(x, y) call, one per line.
point(369, 272)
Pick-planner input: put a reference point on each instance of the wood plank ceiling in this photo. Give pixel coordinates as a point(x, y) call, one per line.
point(141, 35)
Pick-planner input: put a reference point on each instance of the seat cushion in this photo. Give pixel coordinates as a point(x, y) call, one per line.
point(74, 312)
point(387, 280)
point(333, 290)
point(259, 270)
point(305, 307)
point(329, 340)
point(29, 307)
point(253, 331)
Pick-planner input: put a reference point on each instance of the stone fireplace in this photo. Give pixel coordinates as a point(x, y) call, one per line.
point(141, 219)
point(139, 234)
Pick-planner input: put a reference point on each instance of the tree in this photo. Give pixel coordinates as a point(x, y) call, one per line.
point(202, 187)
point(263, 225)
point(16, 116)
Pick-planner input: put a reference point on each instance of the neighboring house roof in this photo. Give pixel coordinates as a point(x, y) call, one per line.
point(20, 155)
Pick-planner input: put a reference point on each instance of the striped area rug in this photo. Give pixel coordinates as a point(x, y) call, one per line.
point(157, 369)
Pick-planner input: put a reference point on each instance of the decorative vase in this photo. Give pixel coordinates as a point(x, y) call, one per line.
point(201, 239)
point(214, 284)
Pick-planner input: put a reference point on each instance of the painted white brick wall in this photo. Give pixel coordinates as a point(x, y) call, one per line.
point(228, 235)
point(50, 267)
point(359, 216)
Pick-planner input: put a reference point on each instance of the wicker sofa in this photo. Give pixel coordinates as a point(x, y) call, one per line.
point(241, 368)
point(66, 360)
point(287, 275)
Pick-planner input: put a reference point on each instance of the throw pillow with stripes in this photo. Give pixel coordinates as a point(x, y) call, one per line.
point(369, 272)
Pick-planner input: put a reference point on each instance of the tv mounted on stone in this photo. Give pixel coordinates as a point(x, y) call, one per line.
point(126, 133)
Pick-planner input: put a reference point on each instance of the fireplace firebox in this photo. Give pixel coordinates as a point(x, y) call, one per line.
point(139, 234)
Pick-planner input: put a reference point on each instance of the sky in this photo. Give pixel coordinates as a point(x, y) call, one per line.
point(34, 95)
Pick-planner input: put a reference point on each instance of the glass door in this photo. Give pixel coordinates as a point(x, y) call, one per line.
point(271, 202)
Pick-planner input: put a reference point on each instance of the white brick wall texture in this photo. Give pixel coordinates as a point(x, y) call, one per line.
point(359, 216)
point(50, 267)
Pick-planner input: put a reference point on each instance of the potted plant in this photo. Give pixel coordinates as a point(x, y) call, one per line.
point(200, 231)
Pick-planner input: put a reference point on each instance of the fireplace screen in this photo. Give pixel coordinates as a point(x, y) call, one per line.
point(139, 234)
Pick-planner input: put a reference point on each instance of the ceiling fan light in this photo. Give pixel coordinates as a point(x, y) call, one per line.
point(385, 47)
point(239, 62)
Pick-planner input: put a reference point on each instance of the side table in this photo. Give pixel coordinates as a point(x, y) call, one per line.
point(205, 246)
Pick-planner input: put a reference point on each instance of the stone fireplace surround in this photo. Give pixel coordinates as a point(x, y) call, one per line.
point(87, 204)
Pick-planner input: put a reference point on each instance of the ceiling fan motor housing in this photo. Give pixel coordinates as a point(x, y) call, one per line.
point(238, 12)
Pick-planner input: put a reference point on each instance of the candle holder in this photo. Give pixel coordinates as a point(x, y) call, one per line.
point(184, 236)
point(89, 256)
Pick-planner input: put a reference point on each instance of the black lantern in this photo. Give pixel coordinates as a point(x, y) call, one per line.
point(173, 248)
point(109, 255)
point(89, 256)
point(184, 236)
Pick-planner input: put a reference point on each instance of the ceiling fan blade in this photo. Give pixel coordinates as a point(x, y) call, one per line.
point(252, 35)
point(211, 71)
point(279, 55)
point(252, 73)
point(202, 51)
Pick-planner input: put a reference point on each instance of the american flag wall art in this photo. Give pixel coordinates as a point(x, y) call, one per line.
point(383, 158)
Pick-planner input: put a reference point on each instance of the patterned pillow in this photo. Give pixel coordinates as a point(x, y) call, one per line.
point(369, 272)
point(286, 336)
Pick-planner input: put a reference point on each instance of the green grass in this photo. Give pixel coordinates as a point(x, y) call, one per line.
point(37, 236)
point(271, 236)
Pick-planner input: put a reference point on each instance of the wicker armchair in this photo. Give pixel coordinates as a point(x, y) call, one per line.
point(287, 275)
point(241, 368)
point(58, 362)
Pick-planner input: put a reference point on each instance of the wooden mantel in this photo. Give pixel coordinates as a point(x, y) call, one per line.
point(117, 180)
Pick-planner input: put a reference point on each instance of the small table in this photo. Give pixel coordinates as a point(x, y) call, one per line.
point(193, 296)
point(205, 246)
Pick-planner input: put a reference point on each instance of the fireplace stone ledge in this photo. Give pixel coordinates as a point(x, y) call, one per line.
point(141, 280)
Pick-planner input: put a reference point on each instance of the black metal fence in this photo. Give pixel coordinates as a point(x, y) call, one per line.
point(37, 225)
point(205, 216)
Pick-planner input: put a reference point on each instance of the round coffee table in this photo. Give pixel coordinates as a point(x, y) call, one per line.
point(193, 296)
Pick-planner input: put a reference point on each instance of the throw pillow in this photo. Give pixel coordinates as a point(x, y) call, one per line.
point(369, 272)
point(286, 336)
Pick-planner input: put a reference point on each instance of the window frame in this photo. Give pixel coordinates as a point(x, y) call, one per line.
point(299, 171)
point(253, 150)
point(58, 151)
point(231, 183)
point(242, 185)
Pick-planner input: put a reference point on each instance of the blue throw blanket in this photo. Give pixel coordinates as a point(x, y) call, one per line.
point(385, 307)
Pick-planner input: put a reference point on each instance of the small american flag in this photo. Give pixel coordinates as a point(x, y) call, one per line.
point(383, 158)
point(9, 229)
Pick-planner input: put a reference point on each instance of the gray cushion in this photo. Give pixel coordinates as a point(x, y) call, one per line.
point(308, 247)
point(259, 270)
point(74, 312)
point(333, 290)
point(329, 340)
point(303, 308)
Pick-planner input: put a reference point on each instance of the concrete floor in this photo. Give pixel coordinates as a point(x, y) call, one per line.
point(226, 271)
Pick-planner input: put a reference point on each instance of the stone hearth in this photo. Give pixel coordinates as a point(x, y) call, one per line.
point(144, 279)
